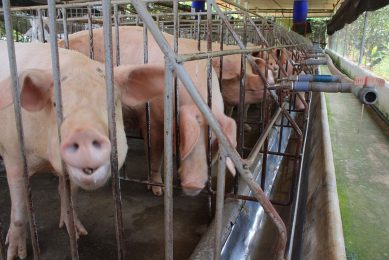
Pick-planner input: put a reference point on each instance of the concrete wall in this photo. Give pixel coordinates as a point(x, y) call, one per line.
point(354, 70)
point(322, 231)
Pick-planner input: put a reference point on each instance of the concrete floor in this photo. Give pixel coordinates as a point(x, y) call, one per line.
point(142, 214)
point(361, 157)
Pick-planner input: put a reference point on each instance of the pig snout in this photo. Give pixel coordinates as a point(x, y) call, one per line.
point(87, 156)
point(192, 188)
point(193, 180)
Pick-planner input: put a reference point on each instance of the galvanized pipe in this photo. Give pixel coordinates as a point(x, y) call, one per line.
point(209, 102)
point(297, 200)
point(19, 126)
point(176, 86)
point(58, 107)
point(107, 29)
point(367, 95)
point(65, 27)
point(117, 36)
point(148, 136)
point(91, 51)
point(41, 27)
point(219, 204)
point(168, 156)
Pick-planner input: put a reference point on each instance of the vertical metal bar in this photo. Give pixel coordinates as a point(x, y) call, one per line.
point(91, 45)
point(41, 38)
point(363, 41)
point(145, 46)
point(148, 133)
point(198, 32)
point(221, 57)
point(242, 97)
point(58, 101)
point(107, 29)
point(176, 87)
point(65, 27)
point(168, 159)
point(19, 125)
point(209, 101)
point(219, 203)
point(117, 39)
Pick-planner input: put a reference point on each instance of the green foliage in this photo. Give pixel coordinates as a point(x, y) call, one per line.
point(375, 54)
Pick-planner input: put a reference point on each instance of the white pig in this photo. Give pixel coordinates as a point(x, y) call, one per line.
point(85, 147)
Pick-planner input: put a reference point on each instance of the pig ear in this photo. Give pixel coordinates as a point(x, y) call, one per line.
point(260, 62)
point(139, 83)
point(36, 90)
point(230, 70)
point(189, 130)
point(229, 129)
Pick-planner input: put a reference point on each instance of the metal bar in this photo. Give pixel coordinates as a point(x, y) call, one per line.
point(65, 27)
point(221, 39)
point(168, 158)
point(58, 102)
point(198, 32)
point(209, 102)
point(19, 126)
point(176, 87)
point(219, 204)
point(117, 36)
point(90, 29)
point(107, 29)
point(41, 27)
point(205, 55)
point(145, 46)
point(297, 200)
point(223, 141)
point(148, 134)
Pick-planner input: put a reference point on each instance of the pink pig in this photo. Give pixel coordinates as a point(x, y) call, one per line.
point(85, 147)
point(193, 164)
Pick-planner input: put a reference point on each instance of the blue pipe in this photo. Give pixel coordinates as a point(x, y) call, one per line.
point(318, 78)
point(300, 11)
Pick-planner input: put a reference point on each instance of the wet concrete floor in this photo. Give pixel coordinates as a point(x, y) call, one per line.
point(361, 157)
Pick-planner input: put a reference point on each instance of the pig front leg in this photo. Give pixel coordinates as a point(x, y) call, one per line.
point(247, 127)
point(80, 229)
point(156, 160)
point(16, 236)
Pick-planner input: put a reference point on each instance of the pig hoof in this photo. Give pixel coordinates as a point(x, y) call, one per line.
point(80, 229)
point(157, 190)
point(247, 128)
point(16, 240)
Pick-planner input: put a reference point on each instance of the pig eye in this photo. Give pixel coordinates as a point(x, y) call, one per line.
point(54, 104)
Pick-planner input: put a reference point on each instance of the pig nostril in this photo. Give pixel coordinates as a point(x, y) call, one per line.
point(96, 144)
point(88, 171)
point(73, 147)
